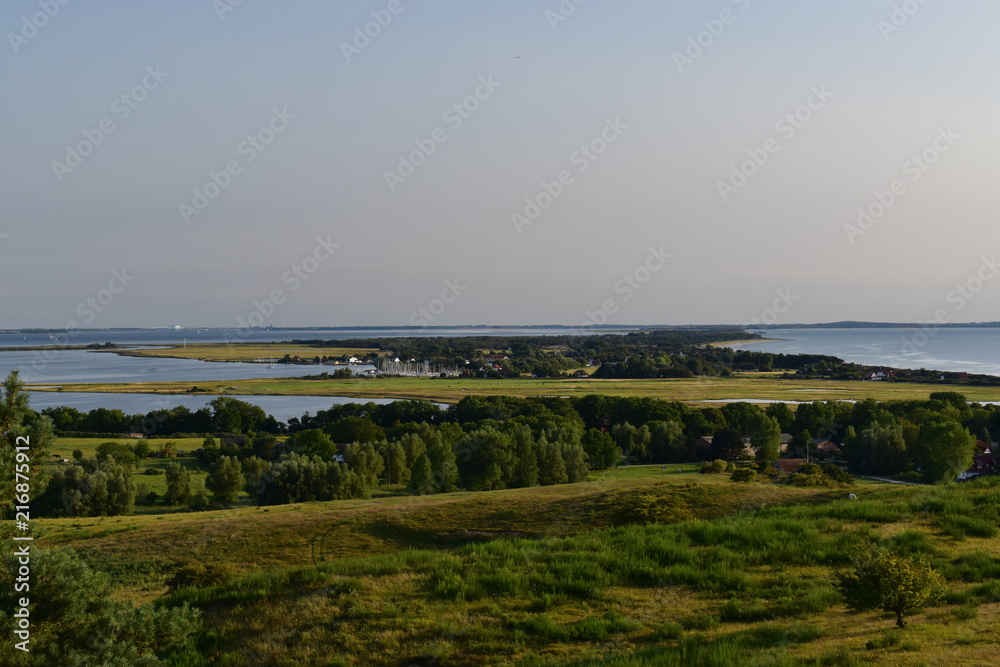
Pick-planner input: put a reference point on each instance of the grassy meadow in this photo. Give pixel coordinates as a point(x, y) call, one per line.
point(762, 386)
point(644, 565)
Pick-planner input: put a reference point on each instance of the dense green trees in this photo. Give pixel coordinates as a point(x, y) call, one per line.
point(178, 484)
point(77, 621)
point(944, 449)
point(89, 488)
point(602, 451)
point(226, 480)
point(19, 426)
point(296, 478)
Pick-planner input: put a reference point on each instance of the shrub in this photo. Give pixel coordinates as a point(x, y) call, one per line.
point(201, 501)
point(837, 474)
point(698, 622)
point(743, 475)
point(198, 574)
point(668, 631)
point(894, 583)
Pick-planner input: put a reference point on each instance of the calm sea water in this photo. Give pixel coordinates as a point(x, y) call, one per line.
point(192, 336)
point(282, 408)
point(972, 350)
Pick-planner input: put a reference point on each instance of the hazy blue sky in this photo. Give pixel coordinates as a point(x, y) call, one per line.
point(887, 81)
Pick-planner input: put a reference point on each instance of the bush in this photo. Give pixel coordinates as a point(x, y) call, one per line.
point(153, 471)
point(893, 583)
point(698, 622)
point(837, 474)
point(201, 501)
point(718, 465)
point(198, 574)
point(78, 621)
point(743, 475)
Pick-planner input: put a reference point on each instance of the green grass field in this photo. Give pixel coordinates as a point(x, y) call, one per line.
point(732, 574)
point(745, 386)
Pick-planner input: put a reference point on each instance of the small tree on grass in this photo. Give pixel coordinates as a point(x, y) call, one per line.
point(893, 583)
point(178, 485)
point(226, 479)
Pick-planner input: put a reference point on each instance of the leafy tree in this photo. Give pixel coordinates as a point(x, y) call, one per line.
point(526, 455)
point(765, 437)
point(666, 443)
point(201, 501)
point(295, 478)
point(422, 478)
point(634, 442)
point(178, 485)
point(893, 583)
point(90, 488)
point(253, 468)
point(885, 448)
point(314, 442)
point(602, 452)
point(263, 445)
point(782, 414)
point(800, 445)
point(551, 466)
point(365, 461)
point(77, 620)
point(944, 450)
point(230, 415)
point(728, 444)
point(394, 458)
point(575, 461)
point(17, 421)
point(486, 459)
point(117, 451)
point(442, 456)
point(226, 479)
point(141, 450)
point(355, 429)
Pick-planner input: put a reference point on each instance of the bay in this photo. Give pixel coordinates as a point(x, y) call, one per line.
point(958, 349)
point(281, 408)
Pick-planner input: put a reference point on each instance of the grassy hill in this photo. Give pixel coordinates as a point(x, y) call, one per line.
point(642, 566)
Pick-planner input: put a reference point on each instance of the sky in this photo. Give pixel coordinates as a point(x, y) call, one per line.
point(410, 162)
